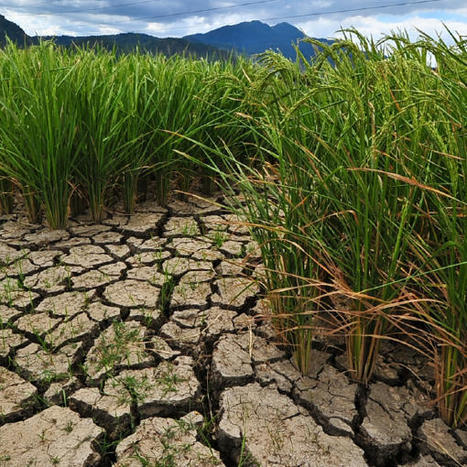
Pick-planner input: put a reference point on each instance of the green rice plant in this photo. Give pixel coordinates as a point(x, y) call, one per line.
point(99, 100)
point(356, 152)
point(39, 127)
point(6, 195)
point(442, 249)
point(140, 109)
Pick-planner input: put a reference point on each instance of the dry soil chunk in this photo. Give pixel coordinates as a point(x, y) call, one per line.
point(15, 393)
point(8, 341)
point(231, 364)
point(72, 242)
point(148, 258)
point(388, 411)
point(87, 256)
point(47, 366)
point(281, 373)
point(7, 313)
point(107, 237)
point(161, 441)
point(53, 279)
point(437, 440)
point(188, 246)
point(100, 312)
point(218, 321)
point(56, 436)
point(216, 223)
point(231, 267)
point(120, 251)
point(232, 248)
point(20, 267)
point(8, 254)
point(162, 349)
point(73, 328)
point(11, 294)
point(149, 317)
point(142, 223)
point(193, 289)
point(113, 269)
point(44, 258)
point(258, 348)
point(89, 230)
point(190, 318)
point(91, 280)
point(147, 273)
point(39, 324)
point(153, 244)
point(160, 390)
point(111, 410)
point(44, 237)
point(194, 206)
point(179, 266)
point(331, 398)
point(186, 226)
point(132, 293)
point(180, 337)
point(275, 432)
point(234, 292)
point(66, 304)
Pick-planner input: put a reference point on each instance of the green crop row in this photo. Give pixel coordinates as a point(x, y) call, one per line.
point(77, 126)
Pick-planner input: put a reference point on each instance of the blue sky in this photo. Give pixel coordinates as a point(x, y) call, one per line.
point(180, 17)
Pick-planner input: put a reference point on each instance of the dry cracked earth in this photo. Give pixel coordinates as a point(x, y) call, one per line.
point(143, 341)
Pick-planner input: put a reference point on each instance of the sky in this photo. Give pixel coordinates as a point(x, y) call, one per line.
point(176, 18)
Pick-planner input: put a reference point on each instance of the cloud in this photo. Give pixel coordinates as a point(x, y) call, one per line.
point(379, 26)
point(163, 17)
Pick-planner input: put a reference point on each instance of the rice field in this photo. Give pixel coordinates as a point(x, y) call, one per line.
point(353, 166)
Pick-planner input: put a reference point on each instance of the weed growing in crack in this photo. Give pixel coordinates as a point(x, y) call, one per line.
point(69, 427)
point(219, 238)
point(117, 348)
point(169, 380)
point(137, 387)
point(245, 458)
point(55, 460)
point(166, 292)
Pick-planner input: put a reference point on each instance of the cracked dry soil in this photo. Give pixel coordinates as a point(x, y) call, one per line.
point(144, 341)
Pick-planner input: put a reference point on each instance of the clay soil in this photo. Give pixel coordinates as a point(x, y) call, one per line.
point(145, 341)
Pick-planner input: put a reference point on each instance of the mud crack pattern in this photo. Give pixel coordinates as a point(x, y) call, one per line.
point(145, 341)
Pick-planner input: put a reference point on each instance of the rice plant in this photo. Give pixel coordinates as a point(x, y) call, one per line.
point(39, 128)
point(356, 195)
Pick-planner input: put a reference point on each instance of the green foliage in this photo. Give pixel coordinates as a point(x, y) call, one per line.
point(357, 197)
point(353, 167)
point(80, 125)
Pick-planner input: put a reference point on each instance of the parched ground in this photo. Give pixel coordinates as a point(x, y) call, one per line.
point(143, 342)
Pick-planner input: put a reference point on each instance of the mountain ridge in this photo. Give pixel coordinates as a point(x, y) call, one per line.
point(12, 31)
point(252, 37)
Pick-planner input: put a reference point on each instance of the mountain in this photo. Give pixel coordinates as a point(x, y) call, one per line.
point(129, 42)
point(249, 38)
point(254, 37)
point(120, 42)
point(11, 30)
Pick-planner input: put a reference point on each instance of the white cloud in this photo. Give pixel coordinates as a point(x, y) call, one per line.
point(376, 27)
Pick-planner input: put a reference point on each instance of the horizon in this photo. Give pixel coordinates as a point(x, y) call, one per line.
point(323, 18)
